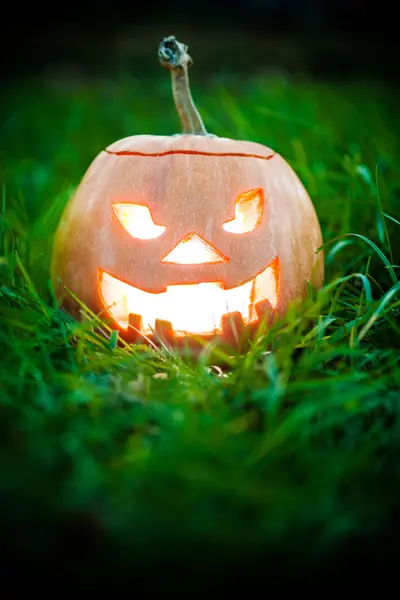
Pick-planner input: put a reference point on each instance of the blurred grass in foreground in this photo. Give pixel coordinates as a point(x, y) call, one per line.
point(109, 453)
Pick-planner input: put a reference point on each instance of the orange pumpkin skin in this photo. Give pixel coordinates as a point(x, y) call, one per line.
point(190, 184)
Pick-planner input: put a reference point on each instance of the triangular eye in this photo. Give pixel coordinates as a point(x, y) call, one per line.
point(136, 219)
point(248, 212)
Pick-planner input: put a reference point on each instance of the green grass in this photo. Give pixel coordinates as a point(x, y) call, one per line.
point(110, 452)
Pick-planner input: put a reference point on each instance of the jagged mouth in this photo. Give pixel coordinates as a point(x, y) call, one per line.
point(199, 308)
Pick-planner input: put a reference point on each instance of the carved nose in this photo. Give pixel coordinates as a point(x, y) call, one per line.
point(194, 250)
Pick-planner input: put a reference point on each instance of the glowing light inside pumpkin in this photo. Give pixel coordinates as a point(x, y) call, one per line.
point(193, 250)
point(196, 308)
point(248, 212)
point(136, 219)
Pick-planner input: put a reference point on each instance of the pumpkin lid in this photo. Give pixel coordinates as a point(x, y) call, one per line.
point(143, 145)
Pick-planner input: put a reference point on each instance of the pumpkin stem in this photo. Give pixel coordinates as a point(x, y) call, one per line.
point(173, 56)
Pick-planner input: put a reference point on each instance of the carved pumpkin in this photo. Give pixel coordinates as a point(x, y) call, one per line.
point(188, 235)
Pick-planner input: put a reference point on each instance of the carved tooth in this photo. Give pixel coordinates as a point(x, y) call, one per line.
point(264, 311)
point(135, 327)
point(232, 326)
point(164, 331)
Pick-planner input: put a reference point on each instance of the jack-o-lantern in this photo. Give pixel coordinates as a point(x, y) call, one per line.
point(193, 235)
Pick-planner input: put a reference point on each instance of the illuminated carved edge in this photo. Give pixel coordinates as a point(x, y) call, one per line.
point(234, 332)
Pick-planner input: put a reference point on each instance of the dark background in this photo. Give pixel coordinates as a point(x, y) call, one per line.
point(329, 38)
